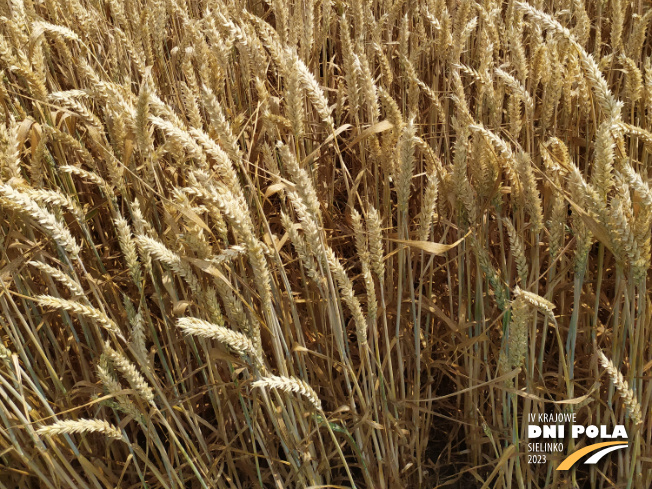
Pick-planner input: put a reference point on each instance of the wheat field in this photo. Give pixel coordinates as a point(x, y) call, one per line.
point(322, 244)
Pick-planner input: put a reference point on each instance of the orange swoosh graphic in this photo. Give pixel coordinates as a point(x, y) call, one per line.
point(574, 457)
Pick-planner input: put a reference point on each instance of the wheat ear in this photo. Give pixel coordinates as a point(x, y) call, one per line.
point(87, 311)
point(131, 373)
point(290, 384)
point(81, 426)
point(59, 276)
point(238, 342)
point(534, 300)
point(627, 394)
point(21, 202)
